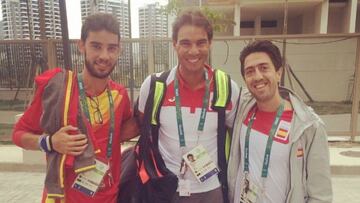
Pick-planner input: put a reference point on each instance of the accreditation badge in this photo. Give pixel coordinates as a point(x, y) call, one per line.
point(184, 188)
point(249, 191)
point(88, 182)
point(200, 164)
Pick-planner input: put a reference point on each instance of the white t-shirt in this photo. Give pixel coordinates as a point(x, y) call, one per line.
point(276, 185)
point(191, 104)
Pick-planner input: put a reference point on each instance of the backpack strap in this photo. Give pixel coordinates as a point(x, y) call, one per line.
point(222, 90)
point(159, 86)
point(222, 97)
point(149, 159)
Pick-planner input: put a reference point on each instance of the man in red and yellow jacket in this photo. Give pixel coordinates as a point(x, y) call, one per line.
point(79, 120)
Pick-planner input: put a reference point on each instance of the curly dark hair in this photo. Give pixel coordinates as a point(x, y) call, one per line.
point(98, 22)
point(262, 46)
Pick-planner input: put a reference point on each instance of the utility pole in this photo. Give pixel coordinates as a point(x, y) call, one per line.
point(65, 35)
point(284, 44)
point(131, 81)
point(42, 19)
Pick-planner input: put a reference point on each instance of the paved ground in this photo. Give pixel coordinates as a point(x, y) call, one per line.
point(19, 187)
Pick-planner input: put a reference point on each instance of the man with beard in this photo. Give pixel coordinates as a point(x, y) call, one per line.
point(79, 120)
point(279, 150)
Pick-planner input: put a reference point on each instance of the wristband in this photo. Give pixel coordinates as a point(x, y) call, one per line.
point(44, 143)
point(50, 142)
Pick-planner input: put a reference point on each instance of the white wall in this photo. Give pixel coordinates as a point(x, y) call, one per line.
point(324, 69)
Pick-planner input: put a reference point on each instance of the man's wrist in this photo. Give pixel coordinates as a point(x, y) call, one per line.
point(45, 143)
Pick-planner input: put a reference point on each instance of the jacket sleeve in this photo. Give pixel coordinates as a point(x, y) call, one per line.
point(30, 121)
point(318, 182)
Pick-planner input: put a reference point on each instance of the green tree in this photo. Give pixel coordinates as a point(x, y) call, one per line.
point(220, 22)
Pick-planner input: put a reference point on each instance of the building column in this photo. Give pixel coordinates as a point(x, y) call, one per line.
point(237, 20)
point(321, 17)
point(257, 25)
point(350, 17)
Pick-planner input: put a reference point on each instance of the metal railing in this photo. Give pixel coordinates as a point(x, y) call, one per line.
point(326, 65)
point(21, 60)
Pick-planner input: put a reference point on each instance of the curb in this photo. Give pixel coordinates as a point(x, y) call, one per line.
point(20, 167)
point(345, 170)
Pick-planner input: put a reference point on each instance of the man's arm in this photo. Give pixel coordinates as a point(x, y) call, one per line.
point(29, 140)
point(129, 129)
point(62, 141)
point(318, 168)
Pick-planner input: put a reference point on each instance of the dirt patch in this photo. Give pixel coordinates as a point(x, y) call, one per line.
point(351, 153)
point(5, 133)
point(17, 105)
point(344, 144)
point(324, 108)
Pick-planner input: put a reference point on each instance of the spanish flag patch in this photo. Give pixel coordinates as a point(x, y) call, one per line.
point(283, 130)
point(300, 152)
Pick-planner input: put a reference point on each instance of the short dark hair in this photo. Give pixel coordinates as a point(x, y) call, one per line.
point(262, 46)
point(192, 17)
point(98, 22)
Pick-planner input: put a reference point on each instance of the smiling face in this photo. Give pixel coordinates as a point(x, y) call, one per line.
point(262, 78)
point(192, 47)
point(101, 50)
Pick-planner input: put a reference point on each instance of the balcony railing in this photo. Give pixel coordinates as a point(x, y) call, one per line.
point(324, 69)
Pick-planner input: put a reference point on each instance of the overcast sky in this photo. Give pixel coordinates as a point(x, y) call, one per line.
point(74, 16)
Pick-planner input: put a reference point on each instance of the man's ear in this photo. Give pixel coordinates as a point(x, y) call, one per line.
point(81, 46)
point(279, 73)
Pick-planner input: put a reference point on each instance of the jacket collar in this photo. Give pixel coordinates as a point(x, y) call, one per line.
point(304, 115)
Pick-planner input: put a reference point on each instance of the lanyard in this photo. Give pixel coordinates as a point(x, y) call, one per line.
point(179, 120)
point(274, 126)
point(85, 108)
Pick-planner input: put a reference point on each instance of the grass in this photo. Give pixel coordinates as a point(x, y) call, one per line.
point(324, 108)
point(16, 105)
point(5, 133)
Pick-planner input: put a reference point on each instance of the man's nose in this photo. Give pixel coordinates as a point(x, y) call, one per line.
point(258, 75)
point(194, 49)
point(104, 54)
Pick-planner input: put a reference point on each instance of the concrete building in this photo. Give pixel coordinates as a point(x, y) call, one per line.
point(153, 23)
point(266, 17)
point(1, 30)
point(118, 8)
point(18, 21)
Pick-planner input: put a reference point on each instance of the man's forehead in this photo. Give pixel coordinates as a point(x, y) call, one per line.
point(257, 58)
point(191, 31)
point(102, 35)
